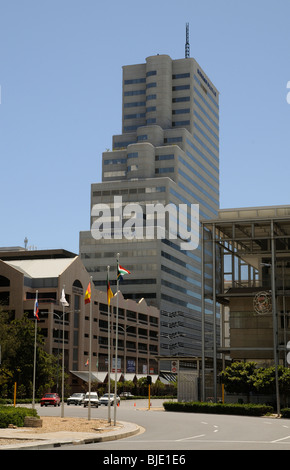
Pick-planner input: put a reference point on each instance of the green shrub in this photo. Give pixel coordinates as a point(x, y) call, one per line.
point(285, 413)
point(218, 408)
point(11, 415)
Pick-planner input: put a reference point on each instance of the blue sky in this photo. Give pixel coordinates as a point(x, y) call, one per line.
point(60, 76)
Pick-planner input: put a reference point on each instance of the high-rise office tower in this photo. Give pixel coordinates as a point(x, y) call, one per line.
point(168, 153)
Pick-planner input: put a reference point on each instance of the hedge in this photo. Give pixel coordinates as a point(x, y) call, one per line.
point(219, 408)
point(15, 416)
point(285, 413)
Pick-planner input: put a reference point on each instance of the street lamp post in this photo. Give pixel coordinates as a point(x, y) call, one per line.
point(59, 317)
point(64, 304)
point(274, 316)
point(116, 349)
point(125, 328)
point(109, 353)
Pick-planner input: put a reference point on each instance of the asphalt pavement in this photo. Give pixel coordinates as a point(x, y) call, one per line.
point(156, 431)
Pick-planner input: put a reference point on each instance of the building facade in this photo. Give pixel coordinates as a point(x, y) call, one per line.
point(22, 273)
point(168, 154)
point(254, 249)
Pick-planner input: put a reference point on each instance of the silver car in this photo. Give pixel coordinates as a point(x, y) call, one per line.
point(76, 399)
point(105, 400)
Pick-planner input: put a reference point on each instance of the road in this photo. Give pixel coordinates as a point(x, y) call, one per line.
point(173, 431)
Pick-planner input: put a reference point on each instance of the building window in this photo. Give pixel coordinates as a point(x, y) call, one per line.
point(181, 111)
point(134, 104)
point(181, 87)
point(171, 140)
point(4, 281)
point(181, 75)
point(114, 161)
point(134, 93)
point(134, 116)
point(159, 158)
point(151, 85)
point(134, 80)
point(159, 171)
point(4, 298)
point(132, 168)
point(132, 155)
point(142, 137)
point(181, 99)
point(130, 128)
point(112, 174)
point(180, 123)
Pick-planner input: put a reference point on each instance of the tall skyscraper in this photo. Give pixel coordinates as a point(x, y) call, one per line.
point(168, 153)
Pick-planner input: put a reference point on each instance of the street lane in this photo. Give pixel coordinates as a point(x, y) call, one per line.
point(184, 431)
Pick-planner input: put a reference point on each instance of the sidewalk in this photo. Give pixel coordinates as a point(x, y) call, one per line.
point(27, 440)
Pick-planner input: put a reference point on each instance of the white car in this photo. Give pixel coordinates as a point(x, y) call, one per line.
point(76, 399)
point(104, 400)
point(93, 398)
point(126, 394)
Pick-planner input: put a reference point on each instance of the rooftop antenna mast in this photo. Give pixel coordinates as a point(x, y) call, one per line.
point(187, 46)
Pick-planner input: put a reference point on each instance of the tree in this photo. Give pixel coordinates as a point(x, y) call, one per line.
point(17, 340)
point(239, 377)
point(264, 380)
point(246, 377)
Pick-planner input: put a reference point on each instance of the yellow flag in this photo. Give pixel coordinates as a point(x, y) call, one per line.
point(88, 294)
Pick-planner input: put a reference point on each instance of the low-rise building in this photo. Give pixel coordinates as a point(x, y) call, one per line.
point(24, 273)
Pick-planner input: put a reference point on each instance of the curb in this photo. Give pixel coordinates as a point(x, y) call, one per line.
point(132, 429)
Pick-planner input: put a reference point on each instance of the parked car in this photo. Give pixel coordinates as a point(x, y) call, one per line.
point(94, 399)
point(126, 394)
point(76, 399)
point(50, 399)
point(104, 400)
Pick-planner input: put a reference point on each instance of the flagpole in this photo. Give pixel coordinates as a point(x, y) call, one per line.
point(109, 353)
point(116, 347)
point(34, 360)
point(90, 354)
point(62, 382)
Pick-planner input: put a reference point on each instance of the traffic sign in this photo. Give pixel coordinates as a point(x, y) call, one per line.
point(174, 366)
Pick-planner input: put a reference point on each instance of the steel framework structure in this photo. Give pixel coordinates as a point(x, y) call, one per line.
point(250, 255)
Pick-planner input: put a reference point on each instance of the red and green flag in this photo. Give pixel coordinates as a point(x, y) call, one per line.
point(121, 271)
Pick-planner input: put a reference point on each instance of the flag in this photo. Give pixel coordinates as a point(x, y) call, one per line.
point(88, 294)
point(87, 363)
point(63, 299)
point(109, 290)
point(36, 310)
point(121, 271)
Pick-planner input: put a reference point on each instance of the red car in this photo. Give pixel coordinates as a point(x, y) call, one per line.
point(50, 399)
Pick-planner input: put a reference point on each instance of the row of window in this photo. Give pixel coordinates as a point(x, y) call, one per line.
point(119, 161)
point(176, 112)
point(114, 192)
point(194, 183)
point(174, 88)
point(196, 173)
point(203, 158)
point(152, 73)
point(134, 167)
point(178, 123)
point(184, 123)
point(130, 346)
point(188, 202)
